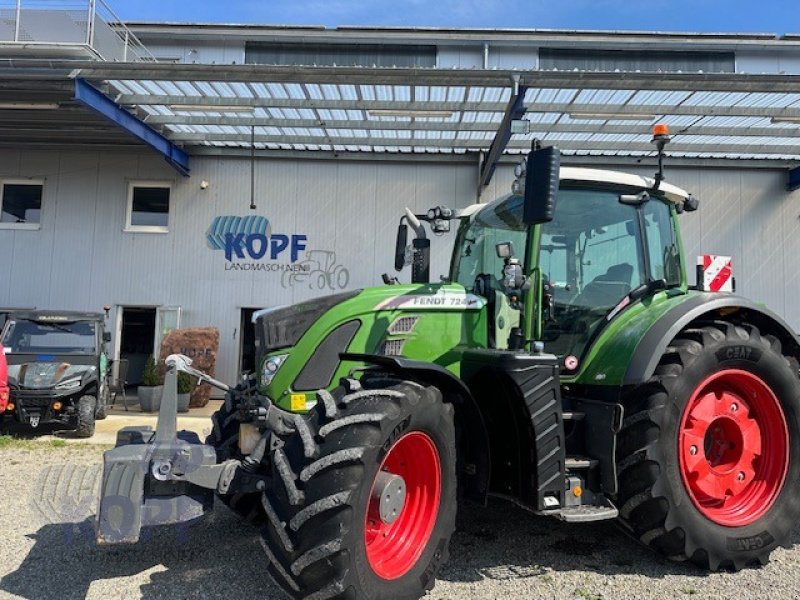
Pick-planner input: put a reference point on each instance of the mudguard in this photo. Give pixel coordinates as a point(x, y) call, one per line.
point(707, 305)
point(468, 414)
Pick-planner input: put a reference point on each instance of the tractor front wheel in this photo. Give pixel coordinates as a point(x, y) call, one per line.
point(363, 502)
point(224, 438)
point(709, 452)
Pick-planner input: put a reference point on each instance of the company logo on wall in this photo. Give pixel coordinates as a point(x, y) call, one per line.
point(250, 245)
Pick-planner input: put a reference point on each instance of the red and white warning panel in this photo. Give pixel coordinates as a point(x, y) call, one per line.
point(715, 273)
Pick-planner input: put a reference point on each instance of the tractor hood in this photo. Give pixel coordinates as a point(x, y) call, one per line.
point(299, 348)
point(47, 375)
point(283, 326)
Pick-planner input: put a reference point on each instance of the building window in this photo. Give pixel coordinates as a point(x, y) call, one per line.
point(342, 55)
point(20, 204)
point(652, 61)
point(148, 207)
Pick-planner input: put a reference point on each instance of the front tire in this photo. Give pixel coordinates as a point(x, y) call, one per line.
point(87, 406)
point(224, 438)
point(328, 534)
point(709, 453)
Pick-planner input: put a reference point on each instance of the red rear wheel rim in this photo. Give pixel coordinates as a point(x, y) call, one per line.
point(393, 549)
point(733, 445)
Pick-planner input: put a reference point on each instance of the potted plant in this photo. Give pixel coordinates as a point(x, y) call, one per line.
point(152, 387)
point(186, 384)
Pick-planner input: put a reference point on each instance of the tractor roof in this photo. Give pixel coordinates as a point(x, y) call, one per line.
point(55, 316)
point(576, 174)
point(671, 192)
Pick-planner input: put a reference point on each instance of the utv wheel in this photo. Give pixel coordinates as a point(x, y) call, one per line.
point(87, 406)
point(363, 502)
point(102, 406)
point(224, 438)
point(710, 449)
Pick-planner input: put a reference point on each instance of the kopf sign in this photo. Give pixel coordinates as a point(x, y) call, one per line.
point(257, 245)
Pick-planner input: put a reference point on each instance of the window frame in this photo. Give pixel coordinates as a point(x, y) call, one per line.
point(129, 227)
point(22, 181)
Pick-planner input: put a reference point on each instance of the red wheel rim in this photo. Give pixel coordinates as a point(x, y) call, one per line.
point(393, 549)
point(733, 445)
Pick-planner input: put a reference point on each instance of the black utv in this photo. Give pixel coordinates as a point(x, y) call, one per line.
point(58, 368)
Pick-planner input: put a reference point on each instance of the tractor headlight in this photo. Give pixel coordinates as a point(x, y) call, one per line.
point(70, 384)
point(271, 366)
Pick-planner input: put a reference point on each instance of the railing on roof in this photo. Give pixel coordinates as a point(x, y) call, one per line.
point(91, 24)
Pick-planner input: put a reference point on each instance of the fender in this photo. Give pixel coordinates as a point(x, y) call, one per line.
point(474, 463)
point(654, 343)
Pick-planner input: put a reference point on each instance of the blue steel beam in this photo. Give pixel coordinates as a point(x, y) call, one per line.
point(515, 109)
point(92, 98)
point(793, 182)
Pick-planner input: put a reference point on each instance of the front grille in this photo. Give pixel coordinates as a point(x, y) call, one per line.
point(29, 403)
point(283, 328)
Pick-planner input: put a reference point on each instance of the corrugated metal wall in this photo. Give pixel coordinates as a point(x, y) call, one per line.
point(81, 258)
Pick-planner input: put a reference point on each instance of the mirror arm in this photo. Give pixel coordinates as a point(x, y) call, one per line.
point(415, 223)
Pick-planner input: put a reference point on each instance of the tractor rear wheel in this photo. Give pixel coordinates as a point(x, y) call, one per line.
point(709, 452)
point(363, 502)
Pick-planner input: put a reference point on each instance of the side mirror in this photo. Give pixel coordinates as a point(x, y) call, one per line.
point(106, 336)
point(691, 204)
point(400, 247)
point(542, 177)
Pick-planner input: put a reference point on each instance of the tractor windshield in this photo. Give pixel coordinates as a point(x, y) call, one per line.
point(593, 255)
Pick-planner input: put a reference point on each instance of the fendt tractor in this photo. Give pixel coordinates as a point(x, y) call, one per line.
point(565, 364)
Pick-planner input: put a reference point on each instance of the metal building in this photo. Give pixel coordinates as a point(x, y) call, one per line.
point(127, 152)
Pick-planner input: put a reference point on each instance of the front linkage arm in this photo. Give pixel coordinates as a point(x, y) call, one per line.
point(165, 476)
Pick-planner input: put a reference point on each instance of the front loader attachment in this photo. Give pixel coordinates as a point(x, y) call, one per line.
point(159, 477)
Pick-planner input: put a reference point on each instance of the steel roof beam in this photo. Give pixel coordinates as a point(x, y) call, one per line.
point(487, 126)
point(481, 145)
point(740, 82)
point(515, 110)
point(609, 110)
point(94, 99)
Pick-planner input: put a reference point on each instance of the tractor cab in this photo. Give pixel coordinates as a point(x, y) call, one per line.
point(609, 243)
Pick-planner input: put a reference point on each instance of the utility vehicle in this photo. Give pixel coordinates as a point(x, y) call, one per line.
point(566, 365)
point(57, 368)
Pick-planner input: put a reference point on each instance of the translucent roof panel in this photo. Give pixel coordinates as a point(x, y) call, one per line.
point(459, 114)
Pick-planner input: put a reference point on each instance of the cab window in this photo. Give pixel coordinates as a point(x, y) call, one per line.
point(475, 254)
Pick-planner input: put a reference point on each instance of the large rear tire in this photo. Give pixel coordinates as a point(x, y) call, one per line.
point(709, 452)
point(328, 533)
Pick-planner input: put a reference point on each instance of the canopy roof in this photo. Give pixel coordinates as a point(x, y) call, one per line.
point(231, 108)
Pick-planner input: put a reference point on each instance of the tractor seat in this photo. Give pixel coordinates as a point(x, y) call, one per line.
point(607, 289)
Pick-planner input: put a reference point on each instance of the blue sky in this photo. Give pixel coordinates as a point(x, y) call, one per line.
point(770, 16)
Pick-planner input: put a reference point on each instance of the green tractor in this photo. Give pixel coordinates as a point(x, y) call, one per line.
point(565, 365)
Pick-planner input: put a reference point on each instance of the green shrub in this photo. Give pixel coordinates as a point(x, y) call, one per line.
point(150, 376)
point(185, 383)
